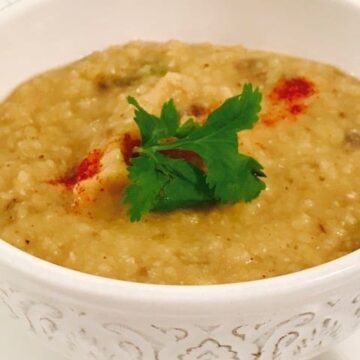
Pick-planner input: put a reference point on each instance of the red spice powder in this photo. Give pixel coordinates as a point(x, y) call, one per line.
point(88, 168)
point(296, 109)
point(269, 121)
point(287, 99)
point(128, 144)
point(293, 89)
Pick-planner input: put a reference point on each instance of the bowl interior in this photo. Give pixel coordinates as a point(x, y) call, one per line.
point(38, 34)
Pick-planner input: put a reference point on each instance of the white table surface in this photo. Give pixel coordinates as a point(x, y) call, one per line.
point(16, 344)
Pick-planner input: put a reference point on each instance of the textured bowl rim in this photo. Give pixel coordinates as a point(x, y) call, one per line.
point(75, 284)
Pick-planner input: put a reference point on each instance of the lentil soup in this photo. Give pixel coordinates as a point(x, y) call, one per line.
point(68, 134)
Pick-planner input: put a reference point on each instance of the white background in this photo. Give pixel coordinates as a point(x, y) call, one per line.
point(17, 344)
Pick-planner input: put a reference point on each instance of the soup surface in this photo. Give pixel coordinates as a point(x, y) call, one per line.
point(65, 134)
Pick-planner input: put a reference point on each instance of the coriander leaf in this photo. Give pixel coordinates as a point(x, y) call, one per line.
point(156, 181)
point(186, 186)
point(153, 128)
point(146, 184)
point(233, 176)
point(145, 121)
point(235, 114)
point(186, 128)
point(159, 183)
point(244, 181)
point(169, 119)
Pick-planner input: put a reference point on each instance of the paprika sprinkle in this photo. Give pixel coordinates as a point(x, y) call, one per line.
point(287, 99)
point(291, 90)
point(87, 168)
point(296, 109)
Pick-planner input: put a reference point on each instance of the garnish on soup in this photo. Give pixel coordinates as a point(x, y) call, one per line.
point(160, 182)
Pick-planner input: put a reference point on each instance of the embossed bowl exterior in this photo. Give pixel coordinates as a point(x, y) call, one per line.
point(85, 317)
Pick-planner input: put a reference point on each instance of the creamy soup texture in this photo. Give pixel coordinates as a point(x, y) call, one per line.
point(65, 134)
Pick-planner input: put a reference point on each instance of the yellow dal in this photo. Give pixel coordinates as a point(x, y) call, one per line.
point(308, 215)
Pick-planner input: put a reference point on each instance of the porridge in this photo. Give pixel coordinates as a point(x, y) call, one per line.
point(66, 136)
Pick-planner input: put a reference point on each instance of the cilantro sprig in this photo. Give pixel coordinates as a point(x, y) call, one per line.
point(161, 183)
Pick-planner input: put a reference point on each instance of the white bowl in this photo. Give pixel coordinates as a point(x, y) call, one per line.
point(83, 317)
